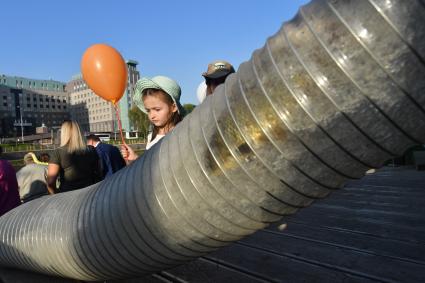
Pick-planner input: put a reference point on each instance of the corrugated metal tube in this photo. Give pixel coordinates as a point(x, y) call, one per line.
point(338, 90)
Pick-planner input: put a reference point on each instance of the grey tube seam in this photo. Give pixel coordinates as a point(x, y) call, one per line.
point(382, 112)
point(202, 198)
point(238, 192)
point(325, 93)
point(225, 174)
point(265, 187)
point(405, 41)
point(422, 109)
point(299, 138)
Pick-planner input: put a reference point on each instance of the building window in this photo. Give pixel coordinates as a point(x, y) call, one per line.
point(4, 103)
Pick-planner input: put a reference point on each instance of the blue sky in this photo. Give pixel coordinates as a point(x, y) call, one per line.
point(46, 39)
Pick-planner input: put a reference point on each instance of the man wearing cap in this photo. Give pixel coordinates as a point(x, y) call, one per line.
point(31, 179)
point(216, 74)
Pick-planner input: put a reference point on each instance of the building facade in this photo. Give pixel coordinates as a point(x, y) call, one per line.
point(93, 113)
point(29, 103)
point(126, 101)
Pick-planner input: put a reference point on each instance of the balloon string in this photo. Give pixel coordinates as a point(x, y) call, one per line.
point(119, 123)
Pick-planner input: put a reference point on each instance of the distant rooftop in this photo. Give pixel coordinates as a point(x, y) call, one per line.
point(77, 77)
point(28, 83)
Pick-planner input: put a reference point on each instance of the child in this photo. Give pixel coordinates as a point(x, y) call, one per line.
point(159, 98)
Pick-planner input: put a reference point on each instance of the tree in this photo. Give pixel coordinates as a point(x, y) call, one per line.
point(188, 107)
point(140, 120)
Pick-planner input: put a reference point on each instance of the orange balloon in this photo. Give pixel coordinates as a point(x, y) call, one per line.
point(105, 71)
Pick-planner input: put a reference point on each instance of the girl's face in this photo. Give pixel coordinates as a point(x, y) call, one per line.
point(159, 110)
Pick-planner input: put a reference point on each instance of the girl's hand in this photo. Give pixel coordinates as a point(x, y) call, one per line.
point(128, 153)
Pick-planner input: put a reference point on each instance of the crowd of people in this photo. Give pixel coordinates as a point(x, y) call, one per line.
point(80, 162)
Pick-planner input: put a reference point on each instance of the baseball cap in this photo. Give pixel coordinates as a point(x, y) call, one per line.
point(218, 69)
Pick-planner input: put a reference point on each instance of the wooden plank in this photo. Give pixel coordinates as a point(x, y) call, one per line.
point(384, 188)
point(399, 217)
point(380, 206)
point(400, 250)
point(338, 258)
point(408, 178)
point(415, 203)
point(352, 191)
point(389, 217)
point(11, 275)
point(404, 212)
point(207, 270)
point(364, 226)
point(280, 267)
point(154, 278)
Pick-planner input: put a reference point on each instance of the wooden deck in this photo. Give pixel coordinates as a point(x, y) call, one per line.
point(373, 230)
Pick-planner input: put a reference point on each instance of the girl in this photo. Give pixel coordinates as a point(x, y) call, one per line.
point(159, 98)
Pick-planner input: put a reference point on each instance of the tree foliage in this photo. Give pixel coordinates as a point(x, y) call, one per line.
point(139, 119)
point(188, 107)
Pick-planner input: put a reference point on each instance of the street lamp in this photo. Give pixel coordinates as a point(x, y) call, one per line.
point(20, 113)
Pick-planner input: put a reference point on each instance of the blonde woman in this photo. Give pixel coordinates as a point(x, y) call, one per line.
point(76, 165)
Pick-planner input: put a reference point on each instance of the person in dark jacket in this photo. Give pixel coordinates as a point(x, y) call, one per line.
point(110, 156)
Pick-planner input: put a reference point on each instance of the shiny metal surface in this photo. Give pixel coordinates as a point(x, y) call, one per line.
point(338, 90)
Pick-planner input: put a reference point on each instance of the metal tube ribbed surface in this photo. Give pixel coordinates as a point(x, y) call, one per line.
point(338, 90)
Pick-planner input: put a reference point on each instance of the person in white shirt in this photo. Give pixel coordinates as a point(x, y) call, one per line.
point(31, 179)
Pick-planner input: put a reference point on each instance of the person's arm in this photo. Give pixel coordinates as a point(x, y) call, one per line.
point(52, 175)
point(128, 153)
